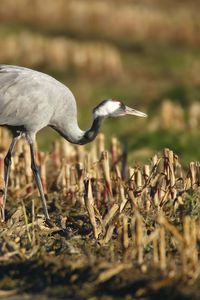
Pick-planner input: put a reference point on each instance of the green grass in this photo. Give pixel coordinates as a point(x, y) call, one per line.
point(150, 74)
point(141, 144)
point(185, 144)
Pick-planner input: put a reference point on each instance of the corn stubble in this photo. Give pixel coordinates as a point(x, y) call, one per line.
point(145, 220)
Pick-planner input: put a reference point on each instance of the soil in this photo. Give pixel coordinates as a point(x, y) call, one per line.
point(62, 260)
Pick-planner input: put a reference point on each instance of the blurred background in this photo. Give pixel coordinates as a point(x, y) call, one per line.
point(143, 52)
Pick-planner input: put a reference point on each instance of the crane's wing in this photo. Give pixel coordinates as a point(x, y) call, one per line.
point(6, 77)
point(31, 98)
point(24, 96)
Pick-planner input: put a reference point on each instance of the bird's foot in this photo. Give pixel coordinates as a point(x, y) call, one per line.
point(2, 214)
point(49, 223)
point(2, 205)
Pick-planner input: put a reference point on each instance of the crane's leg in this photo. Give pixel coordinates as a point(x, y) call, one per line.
point(7, 164)
point(36, 173)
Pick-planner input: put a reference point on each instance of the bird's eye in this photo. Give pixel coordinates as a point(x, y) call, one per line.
point(122, 106)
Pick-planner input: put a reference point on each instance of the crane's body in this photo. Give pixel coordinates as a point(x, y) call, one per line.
point(31, 100)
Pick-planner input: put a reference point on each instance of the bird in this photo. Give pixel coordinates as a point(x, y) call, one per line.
point(31, 100)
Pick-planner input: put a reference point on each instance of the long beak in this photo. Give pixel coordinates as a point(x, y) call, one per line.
point(133, 112)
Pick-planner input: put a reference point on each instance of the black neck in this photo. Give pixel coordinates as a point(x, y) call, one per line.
point(79, 137)
point(91, 133)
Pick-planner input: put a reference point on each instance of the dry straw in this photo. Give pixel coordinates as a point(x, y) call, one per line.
point(60, 53)
point(130, 21)
point(137, 211)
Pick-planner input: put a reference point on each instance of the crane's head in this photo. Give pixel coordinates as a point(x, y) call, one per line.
point(115, 108)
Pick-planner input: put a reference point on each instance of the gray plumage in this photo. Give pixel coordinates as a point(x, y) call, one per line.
point(31, 100)
point(35, 100)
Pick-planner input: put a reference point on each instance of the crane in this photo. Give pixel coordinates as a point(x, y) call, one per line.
point(31, 100)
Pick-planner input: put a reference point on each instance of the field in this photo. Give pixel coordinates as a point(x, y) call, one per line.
point(125, 209)
point(149, 56)
point(116, 231)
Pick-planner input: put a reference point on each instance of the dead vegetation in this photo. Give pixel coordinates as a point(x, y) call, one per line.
point(116, 230)
point(58, 53)
point(132, 22)
point(173, 116)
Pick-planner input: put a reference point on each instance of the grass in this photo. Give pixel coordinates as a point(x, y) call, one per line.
point(150, 74)
point(140, 144)
point(109, 237)
point(185, 144)
point(122, 227)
